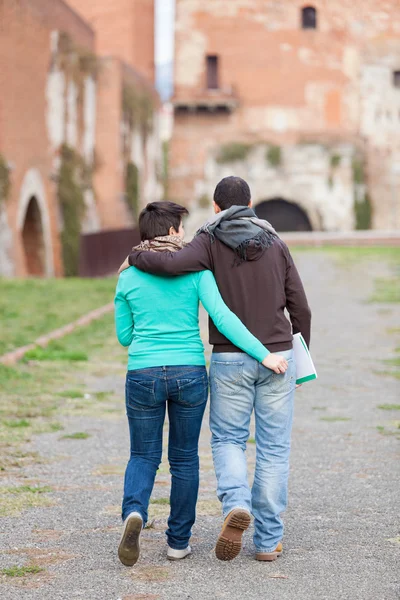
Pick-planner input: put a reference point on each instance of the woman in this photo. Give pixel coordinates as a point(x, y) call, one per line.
point(157, 317)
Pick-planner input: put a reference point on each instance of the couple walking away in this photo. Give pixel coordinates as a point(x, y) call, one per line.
point(244, 276)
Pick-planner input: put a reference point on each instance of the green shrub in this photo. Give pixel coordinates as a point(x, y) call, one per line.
point(232, 152)
point(363, 212)
point(358, 171)
point(137, 107)
point(4, 179)
point(72, 205)
point(273, 155)
point(335, 160)
point(204, 201)
point(132, 189)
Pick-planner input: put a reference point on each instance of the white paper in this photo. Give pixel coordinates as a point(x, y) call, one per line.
point(305, 369)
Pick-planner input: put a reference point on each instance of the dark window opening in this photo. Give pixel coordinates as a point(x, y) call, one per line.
point(309, 17)
point(33, 241)
point(212, 72)
point(396, 79)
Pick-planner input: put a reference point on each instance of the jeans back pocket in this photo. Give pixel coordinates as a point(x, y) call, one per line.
point(140, 393)
point(227, 376)
point(192, 391)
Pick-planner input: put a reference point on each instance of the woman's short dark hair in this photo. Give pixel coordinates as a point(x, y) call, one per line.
point(232, 191)
point(156, 219)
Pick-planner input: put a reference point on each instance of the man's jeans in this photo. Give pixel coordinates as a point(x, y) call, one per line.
point(148, 391)
point(240, 384)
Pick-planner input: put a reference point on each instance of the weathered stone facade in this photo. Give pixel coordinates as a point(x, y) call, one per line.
point(303, 101)
point(63, 122)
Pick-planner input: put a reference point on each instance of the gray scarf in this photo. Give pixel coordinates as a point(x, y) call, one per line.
point(238, 227)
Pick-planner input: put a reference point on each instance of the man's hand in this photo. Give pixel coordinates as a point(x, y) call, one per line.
point(125, 265)
point(276, 363)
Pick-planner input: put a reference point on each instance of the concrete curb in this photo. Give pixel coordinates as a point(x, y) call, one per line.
point(15, 355)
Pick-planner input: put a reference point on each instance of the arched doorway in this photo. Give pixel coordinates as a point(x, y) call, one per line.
point(33, 241)
point(283, 215)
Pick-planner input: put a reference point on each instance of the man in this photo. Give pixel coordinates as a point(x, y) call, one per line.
point(257, 279)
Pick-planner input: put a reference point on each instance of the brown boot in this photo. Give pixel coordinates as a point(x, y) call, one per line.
point(229, 541)
point(268, 556)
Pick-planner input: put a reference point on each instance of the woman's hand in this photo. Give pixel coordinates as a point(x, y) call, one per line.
point(276, 363)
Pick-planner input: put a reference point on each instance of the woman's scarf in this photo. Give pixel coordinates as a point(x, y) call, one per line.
point(163, 243)
point(238, 227)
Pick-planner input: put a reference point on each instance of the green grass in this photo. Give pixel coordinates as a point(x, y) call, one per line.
point(33, 394)
point(251, 440)
point(355, 254)
point(14, 500)
point(386, 290)
point(79, 435)
point(389, 406)
point(55, 351)
point(71, 394)
point(159, 501)
point(30, 308)
point(334, 419)
point(16, 571)
point(24, 489)
point(14, 424)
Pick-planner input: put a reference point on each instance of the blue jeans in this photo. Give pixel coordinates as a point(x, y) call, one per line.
point(240, 384)
point(148, 391)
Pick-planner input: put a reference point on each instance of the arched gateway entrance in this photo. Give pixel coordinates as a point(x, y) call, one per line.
point(33, 241)
point(283, 215)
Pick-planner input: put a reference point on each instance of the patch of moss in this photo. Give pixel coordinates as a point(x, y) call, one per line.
point(137, 107)
point(204, 201)
point(72, 205)
point(132, 189)
point(363, 212)
point(273, 155)
point(165, 168)
point(232, 152)
point(5, 183)
point(362, 203)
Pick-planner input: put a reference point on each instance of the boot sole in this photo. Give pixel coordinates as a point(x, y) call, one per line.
point(229, 542)
point(129, 548)
point(268, 556)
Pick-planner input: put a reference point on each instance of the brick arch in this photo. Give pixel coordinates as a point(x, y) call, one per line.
point(33, 212)
point(284, 215)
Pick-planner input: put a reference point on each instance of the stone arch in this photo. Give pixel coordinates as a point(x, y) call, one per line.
point(33, 223)
point(284, 215)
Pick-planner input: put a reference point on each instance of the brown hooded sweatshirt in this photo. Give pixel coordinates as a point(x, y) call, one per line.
point(257, 290)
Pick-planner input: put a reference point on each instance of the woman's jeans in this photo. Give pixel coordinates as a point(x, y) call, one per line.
point(148, 392)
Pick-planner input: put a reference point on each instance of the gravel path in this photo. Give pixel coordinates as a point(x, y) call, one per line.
point(342, 528)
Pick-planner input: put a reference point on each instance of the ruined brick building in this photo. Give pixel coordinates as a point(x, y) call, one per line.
point(301, 99)
point(79, 147)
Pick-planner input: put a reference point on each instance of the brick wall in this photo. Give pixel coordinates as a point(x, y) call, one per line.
point(25, 57)
point(284, 85)
point(124, 28)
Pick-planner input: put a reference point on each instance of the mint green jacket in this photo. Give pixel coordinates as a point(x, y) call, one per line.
point(158, 318)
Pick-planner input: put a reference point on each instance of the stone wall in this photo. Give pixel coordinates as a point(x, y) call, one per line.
point(62, 101)
point(283, 85)
point(35, 100)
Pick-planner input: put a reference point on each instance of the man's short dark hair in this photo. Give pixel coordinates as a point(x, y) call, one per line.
point(156, 219)
point(232, 191)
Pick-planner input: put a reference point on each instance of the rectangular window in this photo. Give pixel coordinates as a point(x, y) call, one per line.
point(212, 72)
point(396, 79)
